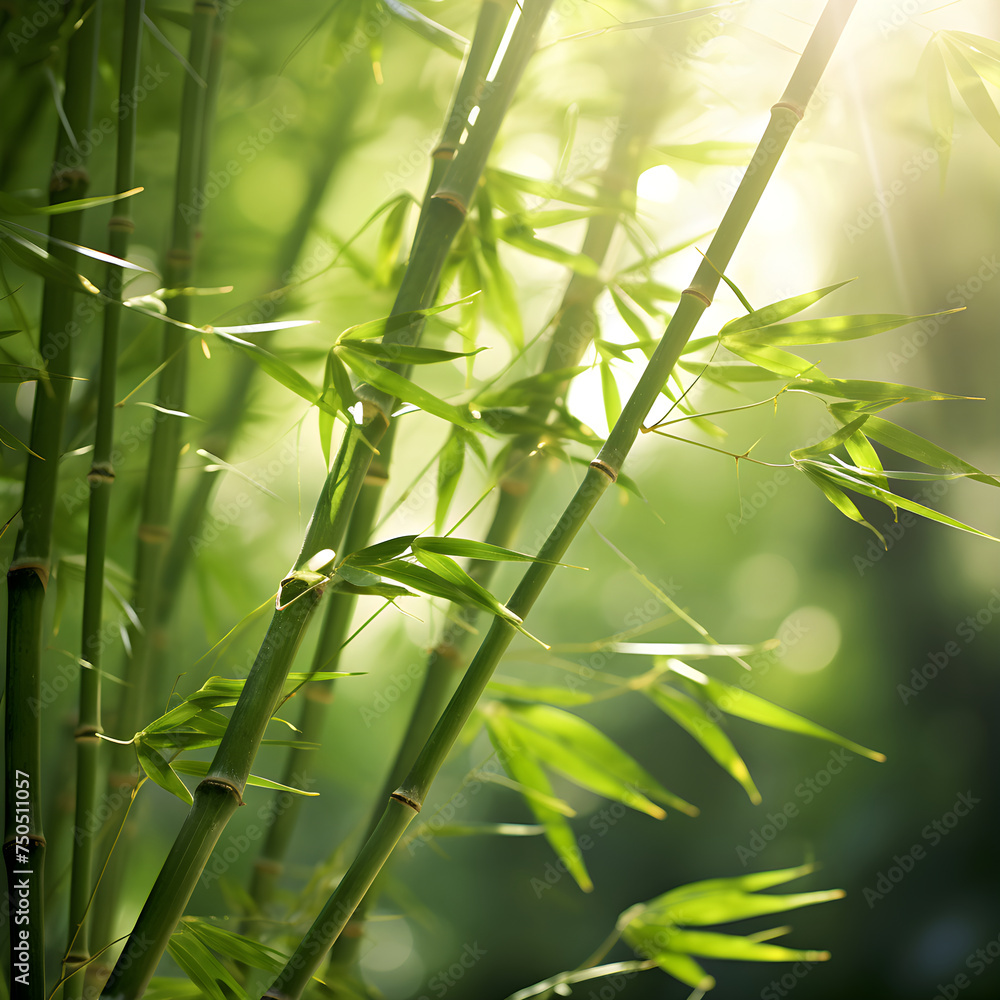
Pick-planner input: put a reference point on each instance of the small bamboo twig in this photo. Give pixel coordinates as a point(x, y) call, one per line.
point(405, 802)
point(220, 792)
point(102, 476)
point(28, 574)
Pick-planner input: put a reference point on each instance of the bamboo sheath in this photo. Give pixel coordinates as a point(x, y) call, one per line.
point(220, 792)
point(405, 801)
point(28, 574)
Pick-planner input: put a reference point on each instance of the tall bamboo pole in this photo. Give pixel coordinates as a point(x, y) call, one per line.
point(161, 470)
point(28, 574)
point(493, 19)
point(220, 792)
point(405, 802)
point(101, 477)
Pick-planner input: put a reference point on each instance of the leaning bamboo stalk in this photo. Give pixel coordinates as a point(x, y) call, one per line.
point(405, 802)
point(493, 18)
point(28, 574)
point(165, 445)
point(218, 794)
point(575, 328)
point(101, 477)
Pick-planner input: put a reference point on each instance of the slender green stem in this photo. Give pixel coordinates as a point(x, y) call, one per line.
point(102, 475)
point(161, 471)
point(575, 329)
point(27, 576)
point(492, 20)
point(221, 790)
point(405, 802)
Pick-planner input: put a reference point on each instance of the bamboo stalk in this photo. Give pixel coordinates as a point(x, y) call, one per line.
point(405, 801)
point(219, 793)
point(27, 576)
point(575, 328)
point(493, 18)
point(102, 475)
point(161, 472)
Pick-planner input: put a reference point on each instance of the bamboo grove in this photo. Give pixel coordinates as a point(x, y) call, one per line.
point(154, 377)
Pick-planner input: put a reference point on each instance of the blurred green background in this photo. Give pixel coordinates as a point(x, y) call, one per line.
point(859, 194)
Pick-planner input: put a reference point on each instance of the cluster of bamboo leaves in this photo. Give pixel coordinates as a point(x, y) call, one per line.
point(453, 282)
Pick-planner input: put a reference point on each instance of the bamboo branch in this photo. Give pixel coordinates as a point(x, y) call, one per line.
point(28, 574)
point(220, 792)
point(405, 802)
point(102, 475)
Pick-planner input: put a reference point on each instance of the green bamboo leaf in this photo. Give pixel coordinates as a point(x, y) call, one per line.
point(751, 882)
point(726, 373)
point(840, 500)
point(518, 235)
point(202, 967)
point(532, 692)
point(156, 767)
point(631, 318)
point(403, 355)
point(708, 944)
point(171, 988)
point(889, 393)
point(906, 442)
point(724, 906)
point(834, 440)
point(393, 324)
point(758, 319)
point(525, 770)
point(9, 205)
point(482, 829)
point(534, 388)
point(450, 463)
point(942, 114)
point(279, 370)
point(281, 324)
point(773, 359)
point(585, 755)
point(235, 946)
point(444, 38)
point(974, 93)
point(649, 294)
point(690, 716)
point(609, 391)
point(25, 254)
point(736, 701)
point(470, 548)
point(199, 768)
point(712, 153)
point(390, 240)
point(843, 477)
point(828, 330)
point(84, 251)
point(498, 180)
point(406, 391)
point(13, 374)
